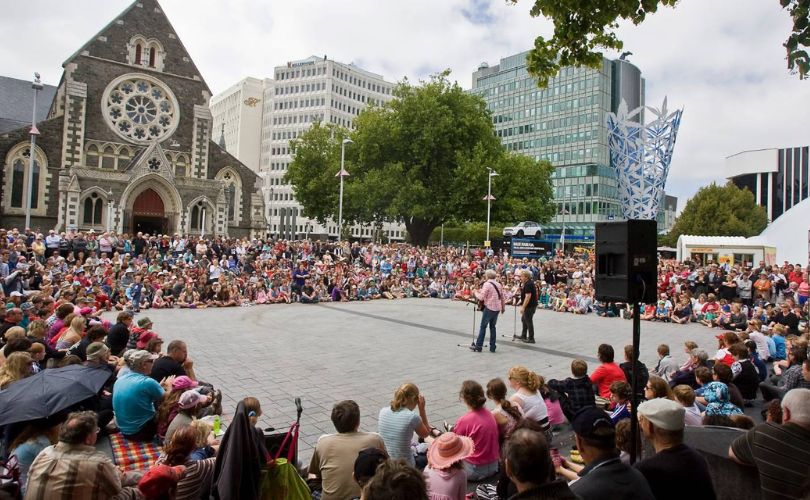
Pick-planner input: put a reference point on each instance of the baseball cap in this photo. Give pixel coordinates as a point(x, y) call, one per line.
point(588, 420)
point(95, 350)
point(183, 382)
point(190, 399)
point(134, 357)
point(663, 413)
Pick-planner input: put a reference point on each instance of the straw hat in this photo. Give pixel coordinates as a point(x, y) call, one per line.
point(448, 449)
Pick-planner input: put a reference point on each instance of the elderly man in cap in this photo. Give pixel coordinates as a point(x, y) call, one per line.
point(136, 397)
point(604, 475)
point(676, 470)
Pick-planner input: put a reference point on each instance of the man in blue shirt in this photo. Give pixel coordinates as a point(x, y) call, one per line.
point(136, 397)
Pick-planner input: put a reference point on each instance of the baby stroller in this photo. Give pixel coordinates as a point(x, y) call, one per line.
point(284, 444)
point(282, 479)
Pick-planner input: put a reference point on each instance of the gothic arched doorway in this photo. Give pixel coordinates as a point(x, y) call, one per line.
point(148, 213)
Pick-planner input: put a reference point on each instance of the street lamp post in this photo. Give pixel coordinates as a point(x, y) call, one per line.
point(562, 235)
point(270, 211)
point(489, 198)
point(342, 174)
point(37, 86)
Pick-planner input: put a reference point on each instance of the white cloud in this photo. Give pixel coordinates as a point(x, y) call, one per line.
point(721, 60)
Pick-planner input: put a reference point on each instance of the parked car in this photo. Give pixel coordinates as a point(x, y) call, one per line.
point(525, 228)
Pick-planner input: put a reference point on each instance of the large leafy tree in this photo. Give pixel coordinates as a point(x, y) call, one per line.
point(421, 158)
point(583, 28)
point(720, 211)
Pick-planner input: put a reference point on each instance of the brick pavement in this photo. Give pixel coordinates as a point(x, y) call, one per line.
point(362, 351)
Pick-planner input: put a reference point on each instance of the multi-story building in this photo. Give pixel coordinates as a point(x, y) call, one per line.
point(237, 120)
point(777, 177)
point(667, 210)
point(304, 92)
point(301, 93)
point(564, 123)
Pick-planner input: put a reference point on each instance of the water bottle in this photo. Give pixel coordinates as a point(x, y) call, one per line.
point(217, 425)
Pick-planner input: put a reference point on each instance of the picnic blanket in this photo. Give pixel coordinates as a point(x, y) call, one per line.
point(132, 455)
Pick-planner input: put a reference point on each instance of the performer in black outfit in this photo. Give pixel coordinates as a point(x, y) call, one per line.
point(528, 305)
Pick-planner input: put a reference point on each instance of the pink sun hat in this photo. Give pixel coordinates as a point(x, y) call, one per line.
point(448, 449)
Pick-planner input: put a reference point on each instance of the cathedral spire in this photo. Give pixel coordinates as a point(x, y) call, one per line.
point(222, 137)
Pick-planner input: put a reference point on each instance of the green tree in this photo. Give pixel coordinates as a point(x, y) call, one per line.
point(581, 29)
point(720, 211)
point(422, 159)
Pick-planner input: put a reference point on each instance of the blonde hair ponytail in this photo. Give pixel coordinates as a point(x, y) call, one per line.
point(525, 377)
point(405, 395)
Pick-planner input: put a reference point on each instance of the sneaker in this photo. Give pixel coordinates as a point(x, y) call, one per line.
point(475, 349)
point(529, 341)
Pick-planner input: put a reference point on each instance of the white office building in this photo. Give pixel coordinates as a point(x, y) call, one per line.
point(302, 93)
point(237, 120)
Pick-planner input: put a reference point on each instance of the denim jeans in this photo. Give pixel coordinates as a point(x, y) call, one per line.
point(488, 317)
point(482, 471)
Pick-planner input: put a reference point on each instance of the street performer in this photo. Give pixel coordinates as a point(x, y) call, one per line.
point(492, 296)
point(528, 305)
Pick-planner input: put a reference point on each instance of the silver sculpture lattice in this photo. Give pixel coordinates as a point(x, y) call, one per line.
point(641, 155)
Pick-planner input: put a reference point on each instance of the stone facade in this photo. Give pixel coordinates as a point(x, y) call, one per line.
point(127, 146)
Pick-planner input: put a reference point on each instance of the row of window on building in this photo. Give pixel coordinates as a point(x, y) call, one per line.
point(548, 140)
point(582, 102)
point(574, 155)
point(296, 103)
point(301, 73)
point(554, 89)
point(341, 75)
point(304, 87)
point(586, 190)
point(567, 209)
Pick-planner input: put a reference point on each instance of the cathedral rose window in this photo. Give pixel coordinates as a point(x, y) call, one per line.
point(140, 108)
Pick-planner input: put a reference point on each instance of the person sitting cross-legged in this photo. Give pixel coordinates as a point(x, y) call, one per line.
point(136, 395)
point(335, 454)
point(73, 468)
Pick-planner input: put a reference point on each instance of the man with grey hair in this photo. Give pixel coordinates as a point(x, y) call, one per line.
point(72, 468)
point(528, 306)
point(781, 453)
point(136, 397)
point(490, 295)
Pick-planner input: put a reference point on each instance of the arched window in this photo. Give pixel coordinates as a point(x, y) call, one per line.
point(91, 158)
point(199, 216)
point(138, 49)
point(230, 192)
point(152, 52)
point(180, 165)
point(124, 155)
point(18, 165)
point(93, 210)
point(108, 158)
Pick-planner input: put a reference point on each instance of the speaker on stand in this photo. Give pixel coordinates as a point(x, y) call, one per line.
point(627, 271)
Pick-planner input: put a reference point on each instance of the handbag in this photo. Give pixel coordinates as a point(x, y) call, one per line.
point(10, 477)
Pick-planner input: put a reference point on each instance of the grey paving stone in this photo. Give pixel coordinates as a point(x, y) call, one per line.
point(364, 351)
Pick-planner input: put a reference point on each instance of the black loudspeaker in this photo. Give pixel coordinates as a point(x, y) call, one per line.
point(627, 261)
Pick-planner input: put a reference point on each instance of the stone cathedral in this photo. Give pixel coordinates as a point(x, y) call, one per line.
point(126, 144)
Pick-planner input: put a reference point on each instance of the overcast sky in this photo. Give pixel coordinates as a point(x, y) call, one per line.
point(721, 60)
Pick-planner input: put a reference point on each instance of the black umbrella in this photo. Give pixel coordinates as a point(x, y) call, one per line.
point(50, 391)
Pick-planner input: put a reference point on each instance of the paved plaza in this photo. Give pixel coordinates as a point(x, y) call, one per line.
point(362, 351)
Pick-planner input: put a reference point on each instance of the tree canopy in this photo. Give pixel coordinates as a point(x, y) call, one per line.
point(422, 159)
point(581, 29)
point(720, 211)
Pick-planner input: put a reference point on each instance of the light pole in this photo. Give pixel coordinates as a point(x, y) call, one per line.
point(270, 211)
point(562, 234)
point(37, 86)
point(342, 174)
point(489, 199)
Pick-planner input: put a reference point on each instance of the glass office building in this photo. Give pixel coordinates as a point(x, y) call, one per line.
point(564, 124)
